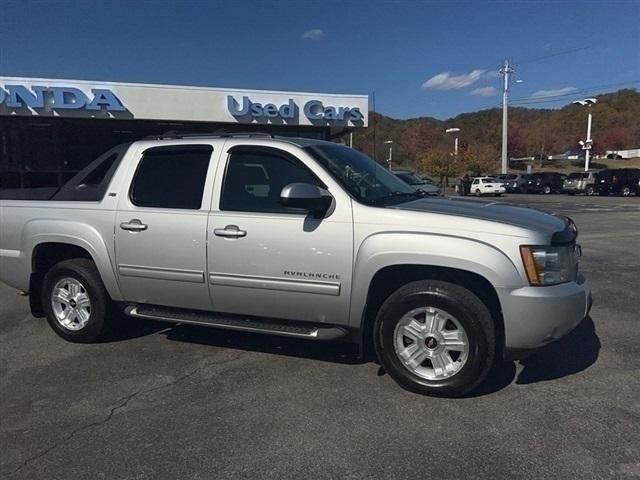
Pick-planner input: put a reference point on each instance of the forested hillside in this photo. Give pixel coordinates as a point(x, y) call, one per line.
point(532, 132)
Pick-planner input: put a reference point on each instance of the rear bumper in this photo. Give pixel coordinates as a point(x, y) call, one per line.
point(536, 316)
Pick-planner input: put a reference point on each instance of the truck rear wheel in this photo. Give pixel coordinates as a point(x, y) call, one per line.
point(435, 338)
point(75, 301)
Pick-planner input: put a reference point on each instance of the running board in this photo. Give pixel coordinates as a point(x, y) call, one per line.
point(312, 331)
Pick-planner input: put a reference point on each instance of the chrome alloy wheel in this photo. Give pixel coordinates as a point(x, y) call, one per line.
point(70, 303)
point(431, 343)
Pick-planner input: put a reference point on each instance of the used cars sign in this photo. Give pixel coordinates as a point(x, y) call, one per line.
point(314, 110)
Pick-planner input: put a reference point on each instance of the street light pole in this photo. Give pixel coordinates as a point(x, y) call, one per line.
point(455, 142)
point(588, 143)
point(390, 159)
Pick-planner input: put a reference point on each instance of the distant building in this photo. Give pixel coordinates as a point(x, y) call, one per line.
point(633, 153)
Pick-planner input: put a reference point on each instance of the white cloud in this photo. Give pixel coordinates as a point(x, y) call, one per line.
point(313, 34)
point(485, 91)
point(547, 46)
point(446, 81)
point(554, 92)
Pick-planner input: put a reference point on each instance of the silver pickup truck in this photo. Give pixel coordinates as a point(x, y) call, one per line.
point(295, 237)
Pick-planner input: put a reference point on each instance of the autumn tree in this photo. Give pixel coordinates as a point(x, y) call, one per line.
point(479, 159)
point(440, 163)
point(614, 138)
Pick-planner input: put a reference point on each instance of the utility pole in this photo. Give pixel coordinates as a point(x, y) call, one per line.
point(505, 71)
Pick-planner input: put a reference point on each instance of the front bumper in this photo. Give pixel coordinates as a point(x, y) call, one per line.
point(535, 316)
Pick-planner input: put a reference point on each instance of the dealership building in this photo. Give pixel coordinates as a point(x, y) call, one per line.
point(51, 128)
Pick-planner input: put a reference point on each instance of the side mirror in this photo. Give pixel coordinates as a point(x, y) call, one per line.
point(306, 196)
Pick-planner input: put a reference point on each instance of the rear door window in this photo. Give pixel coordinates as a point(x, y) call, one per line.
point(171, 177)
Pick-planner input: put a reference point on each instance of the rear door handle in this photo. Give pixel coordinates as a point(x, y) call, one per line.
point(133, 225)
point(230, 231)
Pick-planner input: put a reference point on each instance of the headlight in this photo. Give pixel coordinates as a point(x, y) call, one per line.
point(550, 265)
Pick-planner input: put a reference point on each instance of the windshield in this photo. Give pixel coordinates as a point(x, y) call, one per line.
point(489, 180)
point(364, 179)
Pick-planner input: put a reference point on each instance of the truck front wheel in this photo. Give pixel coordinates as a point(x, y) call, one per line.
point(75, 301)
point(435, 338)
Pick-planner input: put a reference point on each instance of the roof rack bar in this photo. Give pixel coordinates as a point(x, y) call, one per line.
point(218, 133)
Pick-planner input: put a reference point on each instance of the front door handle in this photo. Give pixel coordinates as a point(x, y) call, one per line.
point(230, 231)
point(133, 225)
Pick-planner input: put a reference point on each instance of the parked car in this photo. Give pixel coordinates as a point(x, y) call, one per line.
point(580, 182)
point(618, 181)
point(544, 182)
point(487, 186)
point(614, 156)
point(417, 182)
point(299, 238)
point(516, 185)
point(505, 178)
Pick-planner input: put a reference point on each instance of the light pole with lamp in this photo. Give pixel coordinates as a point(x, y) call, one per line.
point(455, 146)
point(390, 159)
point(455, 142)
point(586, 145)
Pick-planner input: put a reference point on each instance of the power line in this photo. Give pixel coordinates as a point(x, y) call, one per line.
point(559, 97)
point(557, 54)
point(582, 89)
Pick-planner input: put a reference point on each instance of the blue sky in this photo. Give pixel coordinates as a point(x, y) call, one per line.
point(421, 58)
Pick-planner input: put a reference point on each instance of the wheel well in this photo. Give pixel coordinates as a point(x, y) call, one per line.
point(45, 256)
point(389, 279)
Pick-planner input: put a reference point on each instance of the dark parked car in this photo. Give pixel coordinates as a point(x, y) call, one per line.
point(544, 182)
point(618, 181)
point(505, 178)
point(516, 184)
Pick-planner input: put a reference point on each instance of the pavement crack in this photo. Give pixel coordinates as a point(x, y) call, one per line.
point(122, 403)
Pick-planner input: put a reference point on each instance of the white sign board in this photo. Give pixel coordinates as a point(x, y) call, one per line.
point(88, 99)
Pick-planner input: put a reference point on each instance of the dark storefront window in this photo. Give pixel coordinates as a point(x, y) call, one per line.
point(48, 151)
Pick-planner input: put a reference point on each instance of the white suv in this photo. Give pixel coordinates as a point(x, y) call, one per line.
point(487, 186)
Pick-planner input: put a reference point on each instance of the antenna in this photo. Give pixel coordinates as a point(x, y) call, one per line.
point(375, 124)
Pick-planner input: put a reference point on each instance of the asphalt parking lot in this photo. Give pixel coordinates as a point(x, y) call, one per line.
point(187, 402)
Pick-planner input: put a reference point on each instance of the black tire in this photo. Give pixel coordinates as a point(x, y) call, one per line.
point(589, 191)
point(478, 192)
point(626, 192)
point(85, 272)
point(468, 310)
point(546, 190)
